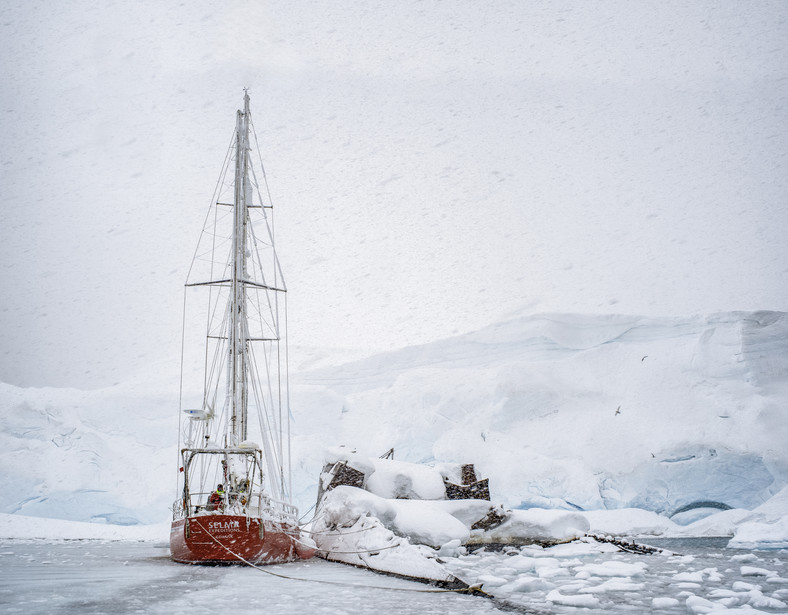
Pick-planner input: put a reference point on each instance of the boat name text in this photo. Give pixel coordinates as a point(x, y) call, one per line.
point(224, 525)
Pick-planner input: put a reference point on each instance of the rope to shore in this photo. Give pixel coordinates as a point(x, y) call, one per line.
point(334, 532)
point(477, 591)
point(316, 548)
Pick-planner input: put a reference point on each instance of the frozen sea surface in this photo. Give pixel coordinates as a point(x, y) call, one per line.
point(125, 577)
point(586, 577)
point(84, 576)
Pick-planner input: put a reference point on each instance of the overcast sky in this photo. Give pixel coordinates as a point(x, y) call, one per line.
point(435, 166)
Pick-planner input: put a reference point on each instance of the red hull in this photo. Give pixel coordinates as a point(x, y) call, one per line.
point(227, 539)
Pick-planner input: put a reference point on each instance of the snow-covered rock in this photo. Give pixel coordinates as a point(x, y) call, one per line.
point(446, 523)
point(535, 525)
point(401, 480)
point(421, 521)
point(353, 526)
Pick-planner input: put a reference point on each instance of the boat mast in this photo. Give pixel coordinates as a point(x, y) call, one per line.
point(238, 363)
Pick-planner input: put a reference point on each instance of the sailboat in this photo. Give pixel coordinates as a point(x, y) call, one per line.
point(233, 493)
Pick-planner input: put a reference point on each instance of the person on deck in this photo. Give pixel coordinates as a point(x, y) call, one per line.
point(216, 500)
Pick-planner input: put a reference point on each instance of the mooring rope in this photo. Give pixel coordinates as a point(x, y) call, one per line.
point(316, 548)
point(467, 590)
point(332, 532)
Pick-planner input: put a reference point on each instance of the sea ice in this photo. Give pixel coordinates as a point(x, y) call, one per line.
point(761, 535)
point(754, 571)
point(663, 602)
point(613, 568)
point(583, 600)
point(614, 585)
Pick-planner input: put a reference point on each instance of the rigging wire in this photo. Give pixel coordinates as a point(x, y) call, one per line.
point(195, 257)
point(271, 399)
point(328, 532)
point(287, 406)
point(277, 276)
point(264, 416)
point(180, 395)
point(214, 198)
point(309, 510)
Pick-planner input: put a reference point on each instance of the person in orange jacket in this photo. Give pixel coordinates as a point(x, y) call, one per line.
point(216, 500)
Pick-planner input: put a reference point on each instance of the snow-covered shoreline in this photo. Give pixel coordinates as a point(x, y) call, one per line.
point(425, 522)
point(20, 527)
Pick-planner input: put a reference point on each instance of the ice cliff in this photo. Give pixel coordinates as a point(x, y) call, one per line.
point(559, 411)
point(579, 411)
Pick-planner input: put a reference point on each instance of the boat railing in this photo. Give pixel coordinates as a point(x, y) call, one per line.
point(266, 506)
point(258, 504)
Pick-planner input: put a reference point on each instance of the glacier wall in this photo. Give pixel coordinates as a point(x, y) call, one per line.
point(558, 410)
point(582, 411)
